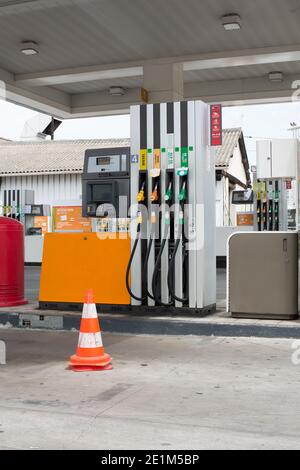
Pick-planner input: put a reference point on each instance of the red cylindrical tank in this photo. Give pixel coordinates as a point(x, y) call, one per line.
point(11, 263)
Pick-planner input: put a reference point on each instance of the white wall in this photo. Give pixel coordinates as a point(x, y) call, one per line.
point(47, 188)
point(236, 167)
point(220, 202)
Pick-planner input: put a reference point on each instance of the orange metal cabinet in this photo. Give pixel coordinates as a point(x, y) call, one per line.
point(75, 262)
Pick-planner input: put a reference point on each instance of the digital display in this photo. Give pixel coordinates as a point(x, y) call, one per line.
point(103, 161)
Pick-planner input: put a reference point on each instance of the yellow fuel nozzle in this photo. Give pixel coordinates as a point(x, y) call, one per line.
point(154, 195)
point(141, 195)
point(139, 218)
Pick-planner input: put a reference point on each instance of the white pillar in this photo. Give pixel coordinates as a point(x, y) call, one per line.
point(164, 82)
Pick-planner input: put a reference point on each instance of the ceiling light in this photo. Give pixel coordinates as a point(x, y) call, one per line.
point(117, 91)
point(232, 22)
point(29, 48)
point(276, 77)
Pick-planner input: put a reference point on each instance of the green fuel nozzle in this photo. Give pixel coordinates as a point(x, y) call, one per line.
point(168, 195)
point(182, 194)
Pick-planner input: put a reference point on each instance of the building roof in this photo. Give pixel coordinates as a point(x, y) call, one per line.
point(232, 138)
point(49, 157)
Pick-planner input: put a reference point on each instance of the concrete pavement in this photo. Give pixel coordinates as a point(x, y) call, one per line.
point(164, 393)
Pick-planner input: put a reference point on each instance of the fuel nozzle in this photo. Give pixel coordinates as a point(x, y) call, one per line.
point(168, 195)
point(182, 194)
point(141, 195)
point(154, 195)
point(139, 221)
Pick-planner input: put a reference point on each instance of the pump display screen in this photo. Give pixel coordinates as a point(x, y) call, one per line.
point(103, 161)
point(106, 163)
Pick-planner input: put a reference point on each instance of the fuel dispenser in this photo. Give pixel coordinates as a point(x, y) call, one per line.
point(19, 205)
point(276, 186)
point(173, 228)
point(156, 204)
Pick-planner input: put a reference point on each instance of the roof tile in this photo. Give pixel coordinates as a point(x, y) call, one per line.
point(230, 140)
point(24, 158)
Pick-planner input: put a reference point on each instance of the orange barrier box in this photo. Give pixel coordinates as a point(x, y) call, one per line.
point(74, 262)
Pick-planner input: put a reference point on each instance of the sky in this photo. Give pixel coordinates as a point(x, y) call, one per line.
point(257, 121)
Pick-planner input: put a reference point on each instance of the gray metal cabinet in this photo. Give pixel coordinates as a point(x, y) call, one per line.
point(263, 275)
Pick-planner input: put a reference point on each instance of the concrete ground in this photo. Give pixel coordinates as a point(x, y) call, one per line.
point(164, 393)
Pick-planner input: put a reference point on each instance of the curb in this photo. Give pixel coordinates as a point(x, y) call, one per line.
point(150, 326)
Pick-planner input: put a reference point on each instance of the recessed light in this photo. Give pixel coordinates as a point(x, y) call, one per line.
point(276, 77)
point(232, 22)
point(29, 48)
point(117, 91)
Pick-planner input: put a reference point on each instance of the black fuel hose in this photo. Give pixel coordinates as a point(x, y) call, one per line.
point(171, 270)
point(132, 255)
point(155, 277)
point(144, 271)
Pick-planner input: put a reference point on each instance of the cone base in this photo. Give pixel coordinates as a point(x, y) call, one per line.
point(99, 361)
point(90, 368)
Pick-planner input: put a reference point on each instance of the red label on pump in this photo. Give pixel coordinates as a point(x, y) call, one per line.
point(216, 125)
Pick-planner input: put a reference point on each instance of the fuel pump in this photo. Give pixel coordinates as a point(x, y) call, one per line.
point(271, 206)
point(276, 185)
point(170, 143)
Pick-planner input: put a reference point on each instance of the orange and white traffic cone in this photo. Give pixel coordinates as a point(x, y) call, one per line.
point(90, 354)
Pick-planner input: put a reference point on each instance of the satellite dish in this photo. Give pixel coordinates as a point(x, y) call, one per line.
point(39, 127)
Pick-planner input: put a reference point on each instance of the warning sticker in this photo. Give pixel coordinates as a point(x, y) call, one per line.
point(143, 159)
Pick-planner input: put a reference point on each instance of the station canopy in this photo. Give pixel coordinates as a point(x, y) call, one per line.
point(76, 58)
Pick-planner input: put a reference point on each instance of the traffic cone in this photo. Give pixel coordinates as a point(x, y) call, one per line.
point(90, 354)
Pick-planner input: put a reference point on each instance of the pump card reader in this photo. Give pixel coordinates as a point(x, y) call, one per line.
point(104, 181)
